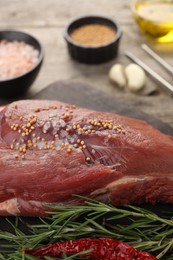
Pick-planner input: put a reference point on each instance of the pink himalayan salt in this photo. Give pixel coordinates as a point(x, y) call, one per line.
point(16, 58)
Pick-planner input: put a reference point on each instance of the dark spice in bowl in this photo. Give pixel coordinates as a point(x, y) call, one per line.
point(93, 34)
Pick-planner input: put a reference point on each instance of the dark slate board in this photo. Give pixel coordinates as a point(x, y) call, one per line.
point(83, 95)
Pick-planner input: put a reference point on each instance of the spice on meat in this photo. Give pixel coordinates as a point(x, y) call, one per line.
point(93, 35)
point(58, 131)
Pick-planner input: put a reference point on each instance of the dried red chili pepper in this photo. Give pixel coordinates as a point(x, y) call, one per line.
point(102, 249)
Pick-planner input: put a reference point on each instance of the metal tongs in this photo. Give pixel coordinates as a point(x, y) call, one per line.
point(151, 72)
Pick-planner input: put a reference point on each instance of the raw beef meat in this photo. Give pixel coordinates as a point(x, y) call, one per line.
point(50, 151)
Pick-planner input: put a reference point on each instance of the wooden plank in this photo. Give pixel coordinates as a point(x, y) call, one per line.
point(58, 12)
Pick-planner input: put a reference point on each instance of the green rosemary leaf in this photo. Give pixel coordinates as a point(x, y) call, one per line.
point(137, 226)
point(166, 249)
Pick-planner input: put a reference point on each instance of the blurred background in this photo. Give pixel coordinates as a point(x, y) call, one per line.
point(47, 20)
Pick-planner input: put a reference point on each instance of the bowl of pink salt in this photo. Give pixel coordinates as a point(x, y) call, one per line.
point(21, 57)
point(93, 39)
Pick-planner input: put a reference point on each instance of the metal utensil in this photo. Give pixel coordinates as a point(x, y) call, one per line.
point(151, 72)
point(156, 57)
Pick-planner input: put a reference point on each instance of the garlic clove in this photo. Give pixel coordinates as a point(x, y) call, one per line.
point(117, 75)
point(136, 77)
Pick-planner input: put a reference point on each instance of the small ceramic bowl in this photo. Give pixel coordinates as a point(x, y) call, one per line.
point(93, 54)
point(17, 86)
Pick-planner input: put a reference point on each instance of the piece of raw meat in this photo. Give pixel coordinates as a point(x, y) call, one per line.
point(50, 151)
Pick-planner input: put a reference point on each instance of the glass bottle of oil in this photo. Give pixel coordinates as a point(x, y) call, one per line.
point(155, 17)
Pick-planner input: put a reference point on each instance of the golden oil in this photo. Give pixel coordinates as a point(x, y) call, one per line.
point(155, 18)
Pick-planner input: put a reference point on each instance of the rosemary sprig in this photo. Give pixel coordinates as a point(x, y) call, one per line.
point(141, 228)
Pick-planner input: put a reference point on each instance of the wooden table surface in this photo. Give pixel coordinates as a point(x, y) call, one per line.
point(47, 19)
